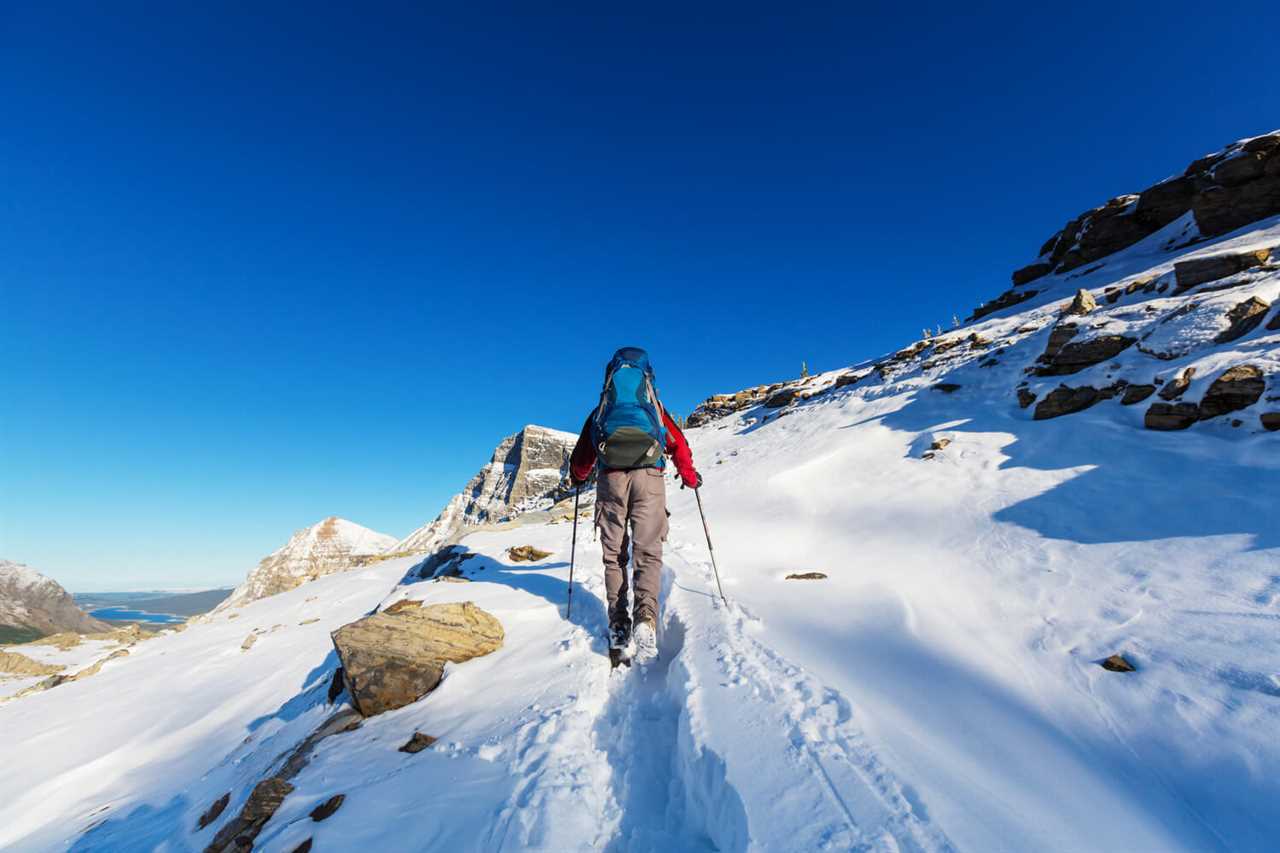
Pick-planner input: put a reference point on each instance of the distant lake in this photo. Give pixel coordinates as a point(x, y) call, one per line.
point(124, 614)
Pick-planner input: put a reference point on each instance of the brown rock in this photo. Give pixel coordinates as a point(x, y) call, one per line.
point(1059, 336)
point(239, 833)
point(1237, 388)
point(248, 642)
point(847, 379)
point(1195, 271)
point(214, 811)
point(1005, 300)
point(1245, 317)
point(1082, 304)
point(1025, 398)
point(1270, 421)
point(1064, 400)
point(946, 387)
point(526, 554)
point(1171, 416)
point(404, 604)
point(1118, 663)
point(807, 576)
point(1175, 389)
point(1136, 394)
point(1076, 356)
point(1113, 295)
point(326, 809)
point(390, 660)
point(781, 398)
point(304, 847)
point(1031, 272)
point(940, 444)
point(418, 742)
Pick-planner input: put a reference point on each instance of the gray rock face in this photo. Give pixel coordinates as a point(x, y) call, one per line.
point(29, 600)
point(331, 546)
point(392, 659)
point(524, 474)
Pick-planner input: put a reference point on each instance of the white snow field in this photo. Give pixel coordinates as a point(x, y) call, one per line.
point(939, 690)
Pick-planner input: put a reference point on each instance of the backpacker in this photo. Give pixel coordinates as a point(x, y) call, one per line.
point(628, 426)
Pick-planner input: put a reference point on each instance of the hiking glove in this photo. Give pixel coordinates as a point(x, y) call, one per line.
point(694, 483)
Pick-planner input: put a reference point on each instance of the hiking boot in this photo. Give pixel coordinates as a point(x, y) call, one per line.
point(620, 635)
point(646, 639)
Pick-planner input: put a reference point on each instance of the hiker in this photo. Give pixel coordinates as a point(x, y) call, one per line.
point(630, 435)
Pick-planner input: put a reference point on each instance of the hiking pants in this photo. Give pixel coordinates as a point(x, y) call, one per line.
point(638, 497)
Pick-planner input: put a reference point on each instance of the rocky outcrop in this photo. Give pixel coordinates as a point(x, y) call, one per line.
point(1195, 271)
point(1223, 191)
point(13, 663)
point(1237, 388)
point(524, 474)
point(1064, 400)
point(1008, 299)
point(331, 546)
point(1075, 356)
point(1270, 421)
point(1134, 394)
point(390, 660)
point(1171, 416)
point(1081, 304)
point(1178, 386)
point(32, 602)
point(1244, 318)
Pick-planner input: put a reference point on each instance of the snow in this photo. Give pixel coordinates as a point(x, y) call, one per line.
point(21, 575)
point(939, 690)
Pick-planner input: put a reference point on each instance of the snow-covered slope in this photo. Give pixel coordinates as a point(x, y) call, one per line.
point(986, 539)
point(332, 545)
point(29, 600)
point(524, 475)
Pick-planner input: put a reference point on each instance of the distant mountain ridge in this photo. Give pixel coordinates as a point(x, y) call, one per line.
point(524, 474)
point(32, 602)
point(332, 545)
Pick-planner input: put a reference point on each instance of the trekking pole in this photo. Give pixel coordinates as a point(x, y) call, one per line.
point(710, 548)
point(573, 550)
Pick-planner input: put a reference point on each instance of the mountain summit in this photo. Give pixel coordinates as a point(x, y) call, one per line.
point(526, 470)
point(332, 545)
point(31, 601)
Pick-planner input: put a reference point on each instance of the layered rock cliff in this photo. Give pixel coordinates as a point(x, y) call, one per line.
point(1168, 294)
point(524, 474)
point(32, 602)
point(333, 545)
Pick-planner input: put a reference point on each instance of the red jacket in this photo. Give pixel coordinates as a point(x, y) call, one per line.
point(584, 454)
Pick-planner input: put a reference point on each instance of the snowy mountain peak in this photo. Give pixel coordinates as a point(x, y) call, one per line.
point(30, 600)
point(523, 475)
point(331, 545)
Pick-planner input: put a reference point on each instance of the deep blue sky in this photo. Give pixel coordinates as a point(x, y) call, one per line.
point(260, 267)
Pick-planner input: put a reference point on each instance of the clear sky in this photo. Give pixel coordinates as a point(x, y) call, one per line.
point(263, 265)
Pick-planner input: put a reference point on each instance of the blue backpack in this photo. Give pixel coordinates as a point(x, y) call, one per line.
point(627, 428)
